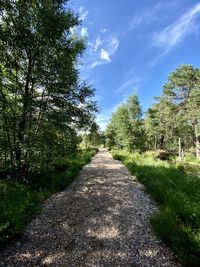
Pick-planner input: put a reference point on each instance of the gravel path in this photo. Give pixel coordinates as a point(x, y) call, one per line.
point(102, 219)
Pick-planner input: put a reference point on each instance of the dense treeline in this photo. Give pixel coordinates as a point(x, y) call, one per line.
point(44, 106)
point(43, 102)
point(172, 123)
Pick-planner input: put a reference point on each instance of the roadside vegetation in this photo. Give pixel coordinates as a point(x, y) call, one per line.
point(20, 201)
point(178, 195)
point(162, 149)
point(44, 107)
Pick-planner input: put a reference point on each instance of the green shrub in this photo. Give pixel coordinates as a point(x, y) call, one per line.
point(19, 202)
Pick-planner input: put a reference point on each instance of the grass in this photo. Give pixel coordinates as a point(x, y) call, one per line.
point(178, 194)
point(20, 202)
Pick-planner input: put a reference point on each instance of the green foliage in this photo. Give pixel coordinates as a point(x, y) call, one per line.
point(182, 89)
point(43, 102)
point(125, 129)
point(173, 122)
point(92, 136)
point(178, 194)
point(19, 202)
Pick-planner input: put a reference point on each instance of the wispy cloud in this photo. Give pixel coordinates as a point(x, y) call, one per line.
point(132, 81)
point(101, 51)
point(103, 30)
point(138, 19)
point(83, 13)
point(84, 32)
point(111, 49)
point(94, 64)
point(150, 14)
point(177, 31)
point(113, 44)
point(105, 55)
point(98, 43)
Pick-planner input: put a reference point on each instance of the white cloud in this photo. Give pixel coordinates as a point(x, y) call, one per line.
point(132, 82)
point(96, 58)
point(113, 45)
point(84, 32)
point(150, 14)
point(104, 55)
point(96, 63)
point(98, 43)
point(83, 13)
point(101, 51)
point(103, 30)
point(138, 19)
point(73, 30)
point(176, 32)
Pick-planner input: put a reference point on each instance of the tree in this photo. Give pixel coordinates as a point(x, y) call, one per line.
point(183, 87)
point(93, 136)
point(164, 126)
point(42, 100)
point(125, 129)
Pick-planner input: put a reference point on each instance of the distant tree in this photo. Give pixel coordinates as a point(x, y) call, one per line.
point(125, 129)
point(110, 135)
point(93, 136)
point(137, 138)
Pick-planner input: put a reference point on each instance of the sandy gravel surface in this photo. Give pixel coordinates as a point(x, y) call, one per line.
point(102, 219)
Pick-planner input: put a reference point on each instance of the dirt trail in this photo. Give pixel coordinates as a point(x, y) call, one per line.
point(102, 219)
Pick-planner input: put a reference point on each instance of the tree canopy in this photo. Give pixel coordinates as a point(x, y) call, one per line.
point(125, 129)
point(43, 101)
point(172, 123)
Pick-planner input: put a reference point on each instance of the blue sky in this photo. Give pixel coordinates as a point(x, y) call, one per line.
point(132, 46)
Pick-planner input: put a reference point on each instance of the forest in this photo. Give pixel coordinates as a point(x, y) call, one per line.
point(171, 124)
point(48, 128)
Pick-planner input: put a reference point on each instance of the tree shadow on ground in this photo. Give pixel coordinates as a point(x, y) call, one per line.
point(102, 219)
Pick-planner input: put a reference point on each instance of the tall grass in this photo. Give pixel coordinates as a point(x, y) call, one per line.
point(178, 194)
point(19, 202)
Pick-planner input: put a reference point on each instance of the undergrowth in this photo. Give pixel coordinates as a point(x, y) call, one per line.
point(178, 194)
point(20, 202)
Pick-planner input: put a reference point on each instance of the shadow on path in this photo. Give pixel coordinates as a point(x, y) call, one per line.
point(102, 219)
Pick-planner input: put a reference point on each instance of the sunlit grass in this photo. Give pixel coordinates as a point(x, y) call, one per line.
point(178, 195)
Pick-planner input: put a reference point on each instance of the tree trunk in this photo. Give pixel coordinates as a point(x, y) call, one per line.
point(155, 143)
point(198, 147)
point(162, 141)
point(179, 148)
point(24, 117)
point(197, 141)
